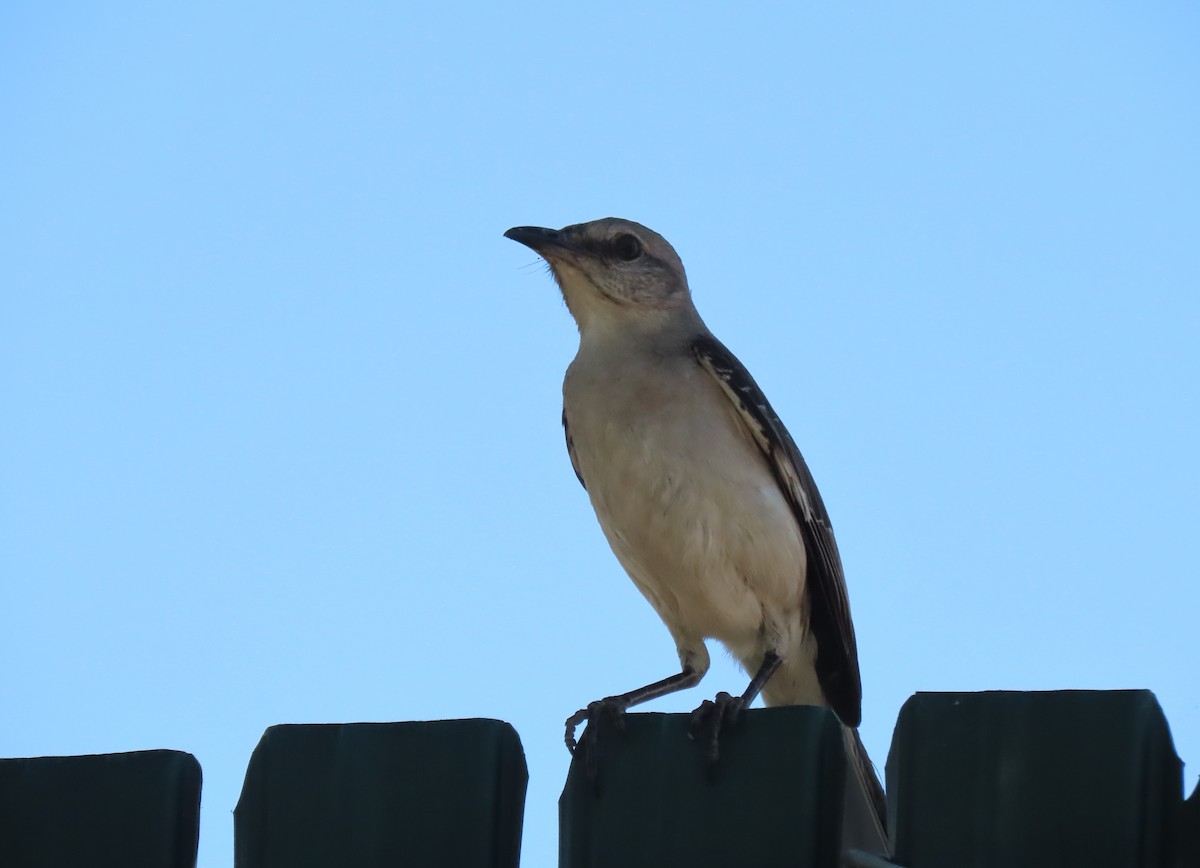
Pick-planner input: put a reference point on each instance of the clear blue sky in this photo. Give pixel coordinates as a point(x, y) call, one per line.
point(280, 438)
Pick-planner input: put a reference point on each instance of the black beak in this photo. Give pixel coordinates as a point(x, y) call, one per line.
point(536, 238)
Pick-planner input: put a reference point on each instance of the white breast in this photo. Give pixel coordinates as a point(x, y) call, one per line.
point(687, 500)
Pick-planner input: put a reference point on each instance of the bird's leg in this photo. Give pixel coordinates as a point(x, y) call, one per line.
point(724, 711)
point(614, 706)
point(611, 710)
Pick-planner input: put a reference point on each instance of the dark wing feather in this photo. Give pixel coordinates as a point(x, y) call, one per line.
point(829, 606)
point(571, 451)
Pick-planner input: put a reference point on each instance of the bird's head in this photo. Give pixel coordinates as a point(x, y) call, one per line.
point(612, 271)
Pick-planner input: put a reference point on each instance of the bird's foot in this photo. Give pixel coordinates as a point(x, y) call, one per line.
point(603, 713)
point(713, 716)
point(603, 717)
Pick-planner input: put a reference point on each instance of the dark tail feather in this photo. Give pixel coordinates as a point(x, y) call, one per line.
point(874, 787)
point(865, 815)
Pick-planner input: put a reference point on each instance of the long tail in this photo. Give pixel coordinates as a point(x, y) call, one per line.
point(864, 814)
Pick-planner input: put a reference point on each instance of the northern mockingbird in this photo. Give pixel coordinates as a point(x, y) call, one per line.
point(703, 496)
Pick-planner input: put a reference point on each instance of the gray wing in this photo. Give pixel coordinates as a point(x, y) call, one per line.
point(571, 450)
point(825, 584)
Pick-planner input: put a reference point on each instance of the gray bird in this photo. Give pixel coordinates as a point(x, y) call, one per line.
point(702, 495)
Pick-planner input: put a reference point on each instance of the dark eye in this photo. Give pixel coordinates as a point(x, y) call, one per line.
point(626, 248)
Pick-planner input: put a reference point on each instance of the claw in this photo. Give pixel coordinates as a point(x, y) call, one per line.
point(713, 716)
point(573, 721)
point(600, 716)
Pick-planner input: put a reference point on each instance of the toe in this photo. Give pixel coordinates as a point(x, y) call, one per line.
point(711, 718)
point(572, 722)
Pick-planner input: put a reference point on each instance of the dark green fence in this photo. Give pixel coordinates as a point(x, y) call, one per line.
point(1071, 778)
point(135, 810)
